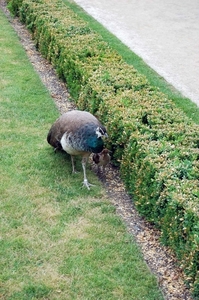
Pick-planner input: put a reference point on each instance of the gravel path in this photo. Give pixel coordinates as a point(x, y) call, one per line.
point(160, 259)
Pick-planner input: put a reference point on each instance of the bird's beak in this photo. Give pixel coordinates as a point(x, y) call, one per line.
point(106, 135)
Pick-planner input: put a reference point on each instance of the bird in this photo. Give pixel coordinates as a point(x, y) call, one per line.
point(78, 133)
point(102, 159)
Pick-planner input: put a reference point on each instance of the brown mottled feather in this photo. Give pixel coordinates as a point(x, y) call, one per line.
point(102, 159)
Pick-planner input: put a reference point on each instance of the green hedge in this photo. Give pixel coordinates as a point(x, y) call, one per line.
point(155, 143)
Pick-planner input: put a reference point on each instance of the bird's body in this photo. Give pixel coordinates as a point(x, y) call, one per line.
point(102, 159)
point(78, 133)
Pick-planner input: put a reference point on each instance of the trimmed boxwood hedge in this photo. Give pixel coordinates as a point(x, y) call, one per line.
point(154, 142)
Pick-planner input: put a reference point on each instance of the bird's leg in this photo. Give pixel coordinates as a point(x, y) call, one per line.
point(73, 164)
point(85, 182)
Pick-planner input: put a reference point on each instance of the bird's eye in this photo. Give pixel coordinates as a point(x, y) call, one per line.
point(101, 131)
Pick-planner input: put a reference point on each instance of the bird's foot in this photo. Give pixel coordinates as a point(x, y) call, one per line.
point(87, 184)
point(75, 172)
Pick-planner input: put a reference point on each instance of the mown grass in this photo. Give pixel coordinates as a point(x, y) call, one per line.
point(57, 239)
point(190, 108)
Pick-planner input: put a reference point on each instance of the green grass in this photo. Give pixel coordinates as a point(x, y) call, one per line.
point(190, 108)
point(57, 239)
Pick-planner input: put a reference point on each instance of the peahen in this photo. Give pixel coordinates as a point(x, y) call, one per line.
point(78, 133)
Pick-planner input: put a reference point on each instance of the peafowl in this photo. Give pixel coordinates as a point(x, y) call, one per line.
point(102, 159)
point(78, 133)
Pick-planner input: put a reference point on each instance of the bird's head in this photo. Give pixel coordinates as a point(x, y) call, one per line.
point(105, 151)
point(101, 131)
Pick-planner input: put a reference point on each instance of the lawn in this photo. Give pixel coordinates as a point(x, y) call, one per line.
point(57, 239)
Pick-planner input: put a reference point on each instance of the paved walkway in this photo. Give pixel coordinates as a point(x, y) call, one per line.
point(164, 33)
